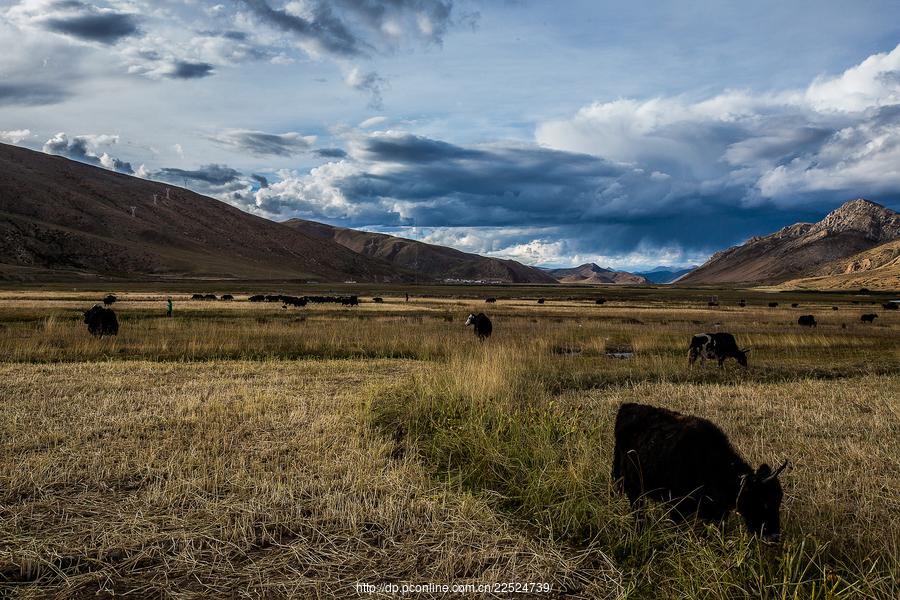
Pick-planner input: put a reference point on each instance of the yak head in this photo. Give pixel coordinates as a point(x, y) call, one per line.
point(741, 356)
point(759, 502)
point(470, 319)
point(89, 314)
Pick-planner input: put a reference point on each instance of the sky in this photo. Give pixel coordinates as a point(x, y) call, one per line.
point(632, 135)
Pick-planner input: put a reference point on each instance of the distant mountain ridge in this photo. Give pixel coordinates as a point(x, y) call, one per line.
point(591, 273)
point(800, 250)
point(665, 274)
point(429, 260)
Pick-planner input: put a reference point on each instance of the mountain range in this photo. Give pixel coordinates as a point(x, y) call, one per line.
point(803, 250)
point(61, 219)
point(590, 273)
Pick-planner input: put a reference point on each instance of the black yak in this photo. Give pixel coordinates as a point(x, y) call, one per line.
point(540, 300)
point(227, 297)
point(481, 324)
point(600, 301)
point(198, 297)
point(210, 297)
point(773, 304)
point(688, 463)
point(109, 299)
point(795, 305)
point(490, 300)
point(742, 303)
point(349, 301)
point(257, 298)
point(377, 300)
point(890, 305)
point(101, 321)
point(807, 321)
point(715, 346)
point(868, 318)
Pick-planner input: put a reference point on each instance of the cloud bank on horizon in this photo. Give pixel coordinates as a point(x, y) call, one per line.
point(628, 181)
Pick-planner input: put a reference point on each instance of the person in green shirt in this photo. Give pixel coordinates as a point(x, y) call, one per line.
point(169, 307)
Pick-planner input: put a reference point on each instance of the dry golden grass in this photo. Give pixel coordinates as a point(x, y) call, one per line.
point(245, 450)
point(225, 479)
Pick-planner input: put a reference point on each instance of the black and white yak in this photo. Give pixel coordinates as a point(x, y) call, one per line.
point(715, 346)
point(481, 324)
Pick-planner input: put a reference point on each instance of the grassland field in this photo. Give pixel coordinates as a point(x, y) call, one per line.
point(245, 450)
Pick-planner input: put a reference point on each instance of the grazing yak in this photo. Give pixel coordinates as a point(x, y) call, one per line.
point(600, 301)
point(688, 463)
point(377, 300)
point(715, 346)
point(540, 300)
point(490, 300)
point(890, 305)
point(109, 299)
point(101, 321)
point(807, 321)
point(742, 303)
point(227, 297)
point(481, 325)
point(795, 305)
point(210, 297)
point(868, 318)
point(773, 304)
point(198, 297)
point(257, 298)
point(834, 308)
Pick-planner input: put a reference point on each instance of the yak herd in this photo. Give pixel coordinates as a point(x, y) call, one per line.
point(685, 462)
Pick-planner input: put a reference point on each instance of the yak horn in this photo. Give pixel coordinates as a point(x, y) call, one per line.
point(777, 472)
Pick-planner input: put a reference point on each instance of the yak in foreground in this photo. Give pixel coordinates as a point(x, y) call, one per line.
point(717, 347)
point(688, 463)
point(868, 317)
point(481, 324)
point(101, 321)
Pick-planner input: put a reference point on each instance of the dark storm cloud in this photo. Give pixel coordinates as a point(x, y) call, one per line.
point(261, 143)
point(260, 179)
point(324, 28)
point(83, 149)
point(213, 174)
point(31, 94)
point(106, 27)
point(414, 149)
point(330, 153)
point(189, 70)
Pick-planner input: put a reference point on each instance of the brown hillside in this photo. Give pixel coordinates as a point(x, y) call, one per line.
point(431, 261)
point(802, 249)
point(62, 218)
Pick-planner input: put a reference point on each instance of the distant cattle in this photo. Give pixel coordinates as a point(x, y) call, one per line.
point(890, 305)
point(807, 321)
point(794, 305)
point(689, 464)
point(293, 301)
point(210, 297)
point(715, 346)
point(227, 297)
point(377, 300)
point(742, 303)
point(481, 324)
point(490, 300)
point(868, 318)
point(834, 308)
point(350, 301)
point(101, 321)
point(773, 304)
point(540, 300)
point(257, 298)
point(197, 297)
point(109, 299)
point(712, 303)
point(600, 301)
